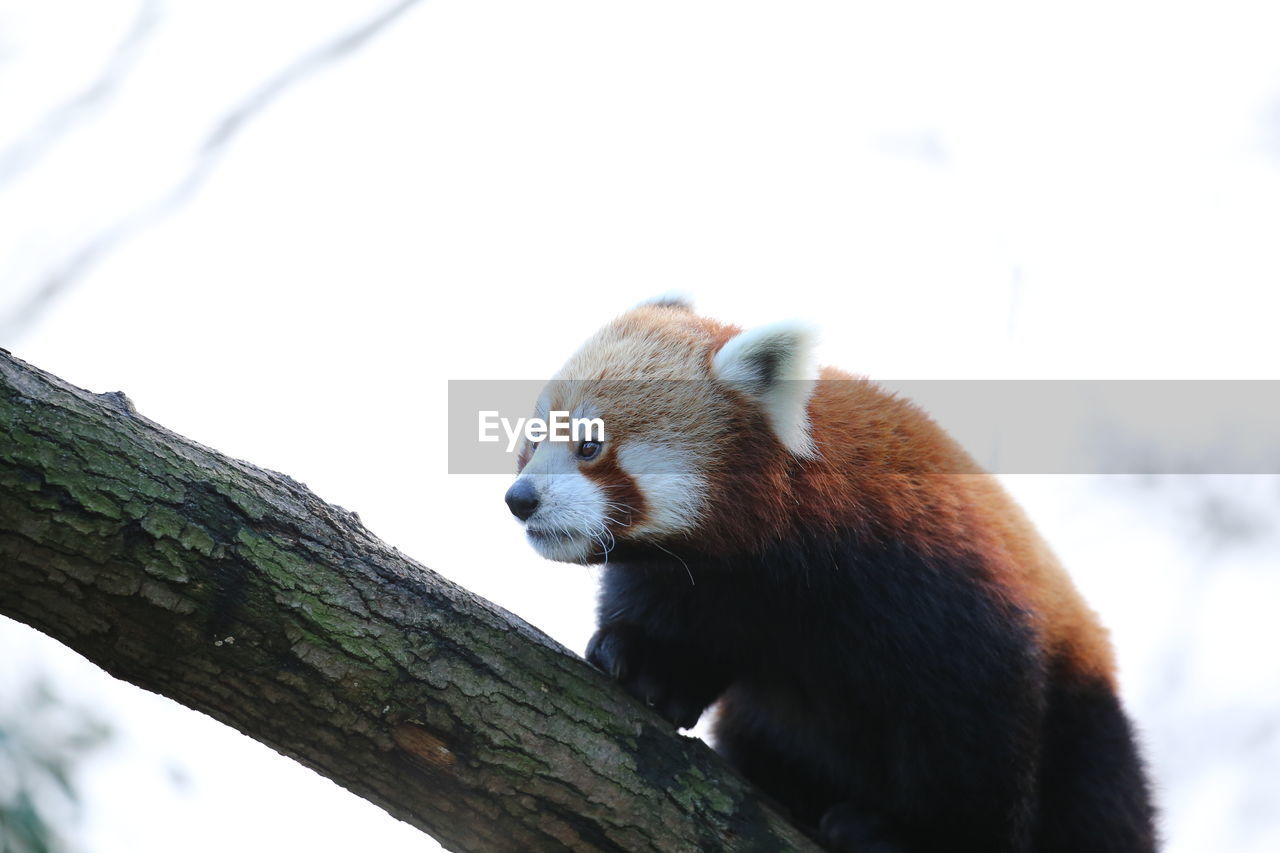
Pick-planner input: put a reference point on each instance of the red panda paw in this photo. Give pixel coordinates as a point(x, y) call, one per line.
point(612, 650)
point(658, 674)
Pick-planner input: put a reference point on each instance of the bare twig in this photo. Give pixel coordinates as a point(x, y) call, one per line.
point(36, 142)
point(207, 158)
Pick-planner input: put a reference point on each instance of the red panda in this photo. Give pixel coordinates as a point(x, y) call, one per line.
point(897, 657)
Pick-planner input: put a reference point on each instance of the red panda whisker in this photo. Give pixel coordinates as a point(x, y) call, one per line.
point(688, 570)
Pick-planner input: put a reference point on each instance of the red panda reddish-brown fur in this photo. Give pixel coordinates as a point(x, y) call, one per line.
point(883, 458)
point(897, 656)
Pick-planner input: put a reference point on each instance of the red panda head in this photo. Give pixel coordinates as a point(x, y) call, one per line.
point(699, 418)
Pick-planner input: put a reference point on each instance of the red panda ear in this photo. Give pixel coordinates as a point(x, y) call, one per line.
point(774, 365)
point(670, 299)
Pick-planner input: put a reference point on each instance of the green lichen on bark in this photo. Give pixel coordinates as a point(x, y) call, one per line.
point(238, 592)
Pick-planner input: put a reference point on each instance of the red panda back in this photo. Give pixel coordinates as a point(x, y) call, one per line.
point(883, 458)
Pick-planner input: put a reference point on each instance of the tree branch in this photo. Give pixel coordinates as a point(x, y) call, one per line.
point(239, 593)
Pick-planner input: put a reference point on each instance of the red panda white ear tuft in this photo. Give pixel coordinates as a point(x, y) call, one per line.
point(774, 365)
point(670, 299)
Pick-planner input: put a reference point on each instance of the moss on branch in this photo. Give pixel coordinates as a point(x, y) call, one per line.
point(237, 592)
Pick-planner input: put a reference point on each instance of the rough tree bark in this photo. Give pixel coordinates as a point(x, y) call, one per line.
point(238, 592)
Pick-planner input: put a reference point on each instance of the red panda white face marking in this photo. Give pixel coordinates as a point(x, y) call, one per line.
point(568, 523)
point(675, 489)
point(675, 392)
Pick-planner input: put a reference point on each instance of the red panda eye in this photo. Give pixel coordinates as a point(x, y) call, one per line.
point(588, 450)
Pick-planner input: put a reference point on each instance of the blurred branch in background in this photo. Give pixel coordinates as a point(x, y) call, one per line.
point(208, 155)
point(1220, 513)
point(1206, 692)
point(43, 740)
point(1217, 517)
point(63, 118)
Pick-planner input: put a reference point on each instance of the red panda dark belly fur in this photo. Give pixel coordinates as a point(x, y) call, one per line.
point(896, 662)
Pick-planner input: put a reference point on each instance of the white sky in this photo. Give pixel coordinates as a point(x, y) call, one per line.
point(973, 190)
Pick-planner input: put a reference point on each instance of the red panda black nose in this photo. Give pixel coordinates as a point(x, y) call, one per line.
point(522, 498)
